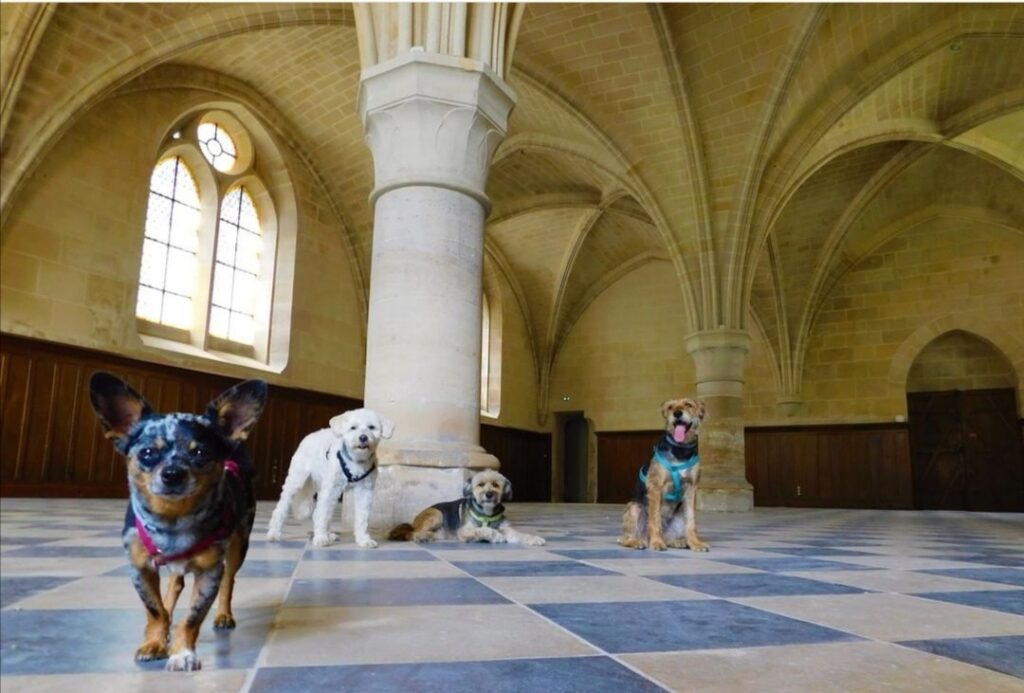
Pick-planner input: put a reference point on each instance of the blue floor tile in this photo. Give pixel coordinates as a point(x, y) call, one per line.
point(262, 568)
point(24, 541)
point(1002, 560)
point(600, 554)
point(1010, 601)
point(528, 568)
point(1001, 653)
point(691, 625)
point(368, 555)
point(794, 564)
point(1006, 576)
point(115, 550)
point(13, 589)
point(590, 674)
point(817, 551)
point(255, 540)
point(390, 592)
point(104, 640)
point(753, 585)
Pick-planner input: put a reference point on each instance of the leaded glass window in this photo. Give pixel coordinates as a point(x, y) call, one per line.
point(167, 275)
point(217, 146)
point(236, 269)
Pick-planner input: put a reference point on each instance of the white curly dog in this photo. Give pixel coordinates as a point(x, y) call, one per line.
point(326, 463)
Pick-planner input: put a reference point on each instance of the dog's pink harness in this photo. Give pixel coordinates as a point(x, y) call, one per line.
point(223, 530)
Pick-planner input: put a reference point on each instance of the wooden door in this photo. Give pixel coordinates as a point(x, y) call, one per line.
point(965, 451)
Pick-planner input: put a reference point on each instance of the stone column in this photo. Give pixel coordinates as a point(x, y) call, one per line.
point(432, 123)
point(719, 356)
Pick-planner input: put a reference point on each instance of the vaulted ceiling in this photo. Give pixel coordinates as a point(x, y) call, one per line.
point(762, 150)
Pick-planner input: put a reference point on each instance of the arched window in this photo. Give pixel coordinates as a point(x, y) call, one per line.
point(236, 269)
point(167, 273)
point(206, 276)
point(490, 354)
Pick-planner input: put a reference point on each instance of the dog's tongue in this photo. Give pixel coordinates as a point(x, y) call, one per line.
point(679, 433)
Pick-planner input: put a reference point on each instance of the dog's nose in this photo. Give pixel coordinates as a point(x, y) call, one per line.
point(363, 438)
point(172, 476)
point(489, 495)
point(679, 414)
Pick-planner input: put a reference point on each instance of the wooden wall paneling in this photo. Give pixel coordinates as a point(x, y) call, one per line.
point(525, 460)
point(851, 466)
point(620, 454)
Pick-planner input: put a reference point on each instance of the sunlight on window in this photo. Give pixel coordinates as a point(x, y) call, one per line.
point(217, 146)
point(167, 274)
point(237, 266)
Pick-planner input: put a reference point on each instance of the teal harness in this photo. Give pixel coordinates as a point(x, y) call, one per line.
point(675, 469)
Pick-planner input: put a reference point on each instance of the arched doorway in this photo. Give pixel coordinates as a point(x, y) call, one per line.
point(965, 441)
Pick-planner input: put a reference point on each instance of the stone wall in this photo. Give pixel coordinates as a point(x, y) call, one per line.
point(959, 360)
point(72, 245)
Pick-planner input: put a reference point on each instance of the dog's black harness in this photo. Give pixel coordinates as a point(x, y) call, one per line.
point(454, 512)
point(348, 474)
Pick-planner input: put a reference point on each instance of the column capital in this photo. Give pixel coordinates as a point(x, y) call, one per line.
point(719, 356)
point(433, 120)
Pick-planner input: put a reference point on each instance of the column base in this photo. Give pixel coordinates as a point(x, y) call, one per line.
point(409, 480)
point(728, 499)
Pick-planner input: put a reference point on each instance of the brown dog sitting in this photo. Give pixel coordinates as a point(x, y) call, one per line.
point(663, 511)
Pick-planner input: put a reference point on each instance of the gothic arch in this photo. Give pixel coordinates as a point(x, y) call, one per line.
point(899, 368)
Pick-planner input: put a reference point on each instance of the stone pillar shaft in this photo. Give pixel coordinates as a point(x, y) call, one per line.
point(432, 123)
point(719, 356)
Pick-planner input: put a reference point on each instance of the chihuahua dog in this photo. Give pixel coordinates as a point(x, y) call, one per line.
point(191, 505)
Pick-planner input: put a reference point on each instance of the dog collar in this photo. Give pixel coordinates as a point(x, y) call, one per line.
point(223, 529)
point(680, 451)
point(675, 469)
point(348, 475)
point(487, 520)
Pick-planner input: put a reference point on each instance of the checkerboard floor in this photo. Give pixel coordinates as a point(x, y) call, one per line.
point(787, 599)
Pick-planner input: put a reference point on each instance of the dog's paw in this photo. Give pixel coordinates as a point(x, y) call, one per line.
point(366, 543)
point(151, 650)
point(223, 622)
point(658, 545)
point(697, 545)
point(632, 543)
point(333, 536)
point(533, 541)
point(185, 660)
point(273, 535)
point(324, 539)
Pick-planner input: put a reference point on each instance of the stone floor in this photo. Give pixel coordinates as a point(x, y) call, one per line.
point(796, 600)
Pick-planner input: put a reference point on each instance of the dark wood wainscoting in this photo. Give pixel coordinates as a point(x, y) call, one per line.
point(838, 466)
point(525, 459)
point(620, 454)
point(52, 445)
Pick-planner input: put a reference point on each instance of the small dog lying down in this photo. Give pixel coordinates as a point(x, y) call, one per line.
point(478, 516)
point(326, 463)
point(191, 505)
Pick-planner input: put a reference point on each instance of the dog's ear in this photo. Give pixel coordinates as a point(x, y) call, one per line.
point(665, 406)
point(236, 410)
point(117, 405)
point(467, 488)
point(506, 494)
point(702, 410)
point(387, 427)
point(338, 424)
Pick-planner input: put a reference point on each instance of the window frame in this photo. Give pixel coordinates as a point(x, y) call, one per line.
point(213, 186)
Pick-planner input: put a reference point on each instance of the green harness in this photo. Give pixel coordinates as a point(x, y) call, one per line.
point(486, 520)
